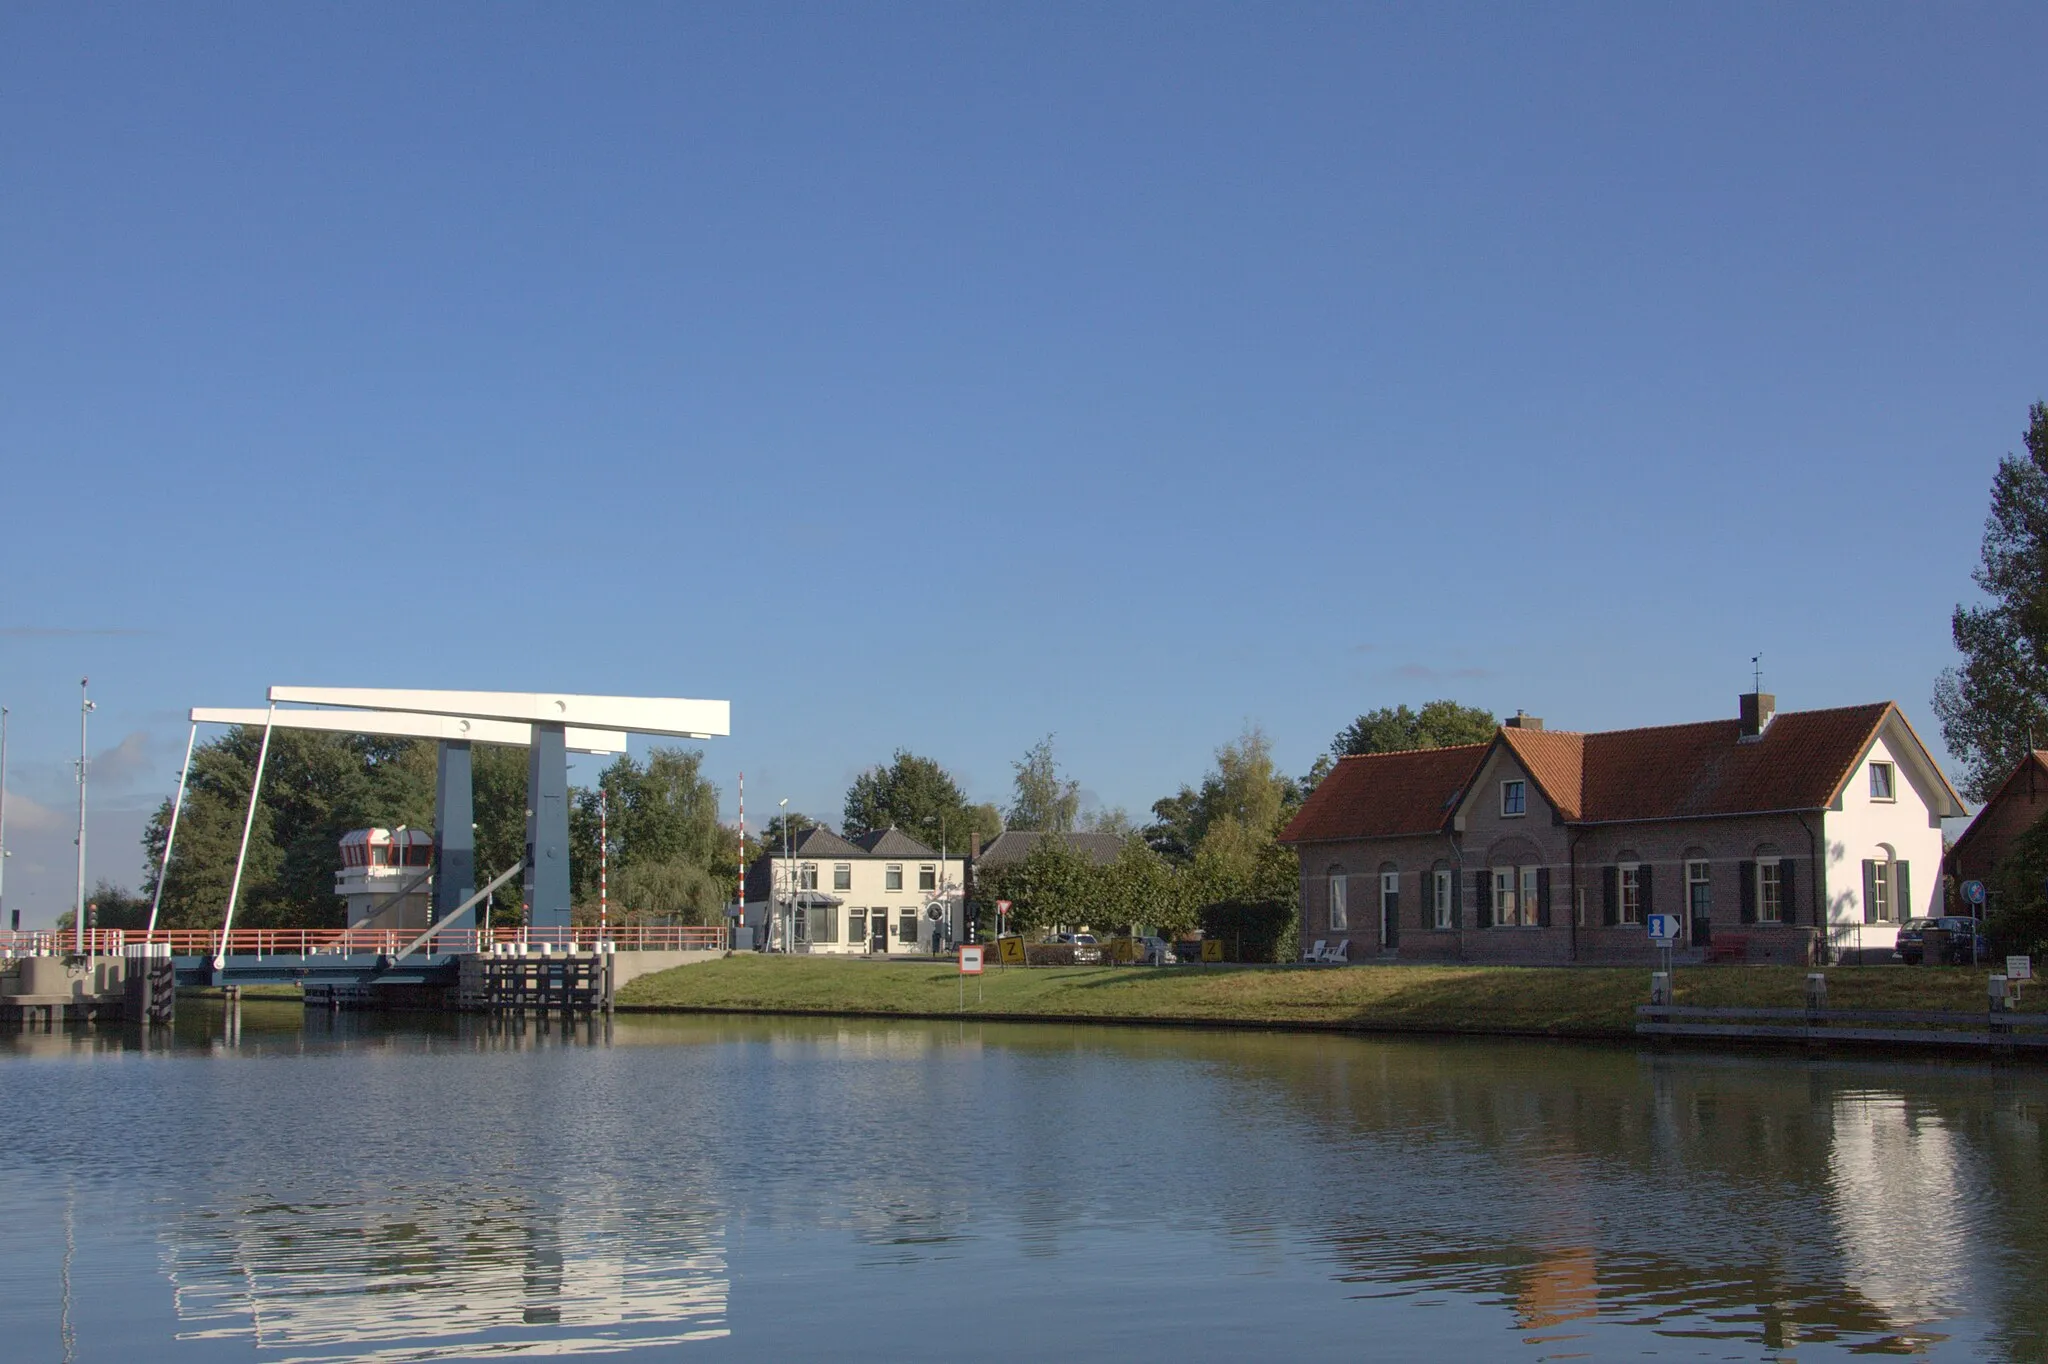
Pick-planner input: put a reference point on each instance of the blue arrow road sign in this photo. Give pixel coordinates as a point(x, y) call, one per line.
point(1663, 927)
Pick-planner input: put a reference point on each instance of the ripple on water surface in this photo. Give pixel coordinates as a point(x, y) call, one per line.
point(313, 1188)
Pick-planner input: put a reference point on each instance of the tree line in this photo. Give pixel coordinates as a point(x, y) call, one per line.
point(1207, 858)
point(1993, 706)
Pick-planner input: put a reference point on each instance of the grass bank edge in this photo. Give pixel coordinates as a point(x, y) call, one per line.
point(1541, 1001)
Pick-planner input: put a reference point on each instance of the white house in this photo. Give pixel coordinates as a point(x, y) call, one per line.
point(883, 892)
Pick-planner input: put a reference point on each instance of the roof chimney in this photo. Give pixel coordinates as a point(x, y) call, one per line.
point(1757, 709)
point(1522, 720)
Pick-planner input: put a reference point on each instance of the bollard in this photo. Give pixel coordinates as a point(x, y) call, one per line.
point(2001, 998)
point(1816, 992)
point(1660, 988)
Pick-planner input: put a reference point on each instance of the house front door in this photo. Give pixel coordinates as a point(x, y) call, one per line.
point(878, 941)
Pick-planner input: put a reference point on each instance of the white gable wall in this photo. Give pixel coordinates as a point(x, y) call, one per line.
point(1905, 829)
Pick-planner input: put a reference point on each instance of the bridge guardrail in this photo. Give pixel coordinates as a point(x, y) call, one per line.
point(306, 942)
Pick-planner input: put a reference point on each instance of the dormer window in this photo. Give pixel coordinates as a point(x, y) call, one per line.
point(1514, 798)
point(1882, 782)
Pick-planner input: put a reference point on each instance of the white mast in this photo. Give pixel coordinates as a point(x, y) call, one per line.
point(85, 708)
point(3, 808)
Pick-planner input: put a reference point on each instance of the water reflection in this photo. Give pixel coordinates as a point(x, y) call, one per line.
point(417, 1281)
point(352, 1186)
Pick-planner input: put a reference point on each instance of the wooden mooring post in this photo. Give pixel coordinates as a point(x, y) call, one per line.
point(545, 982)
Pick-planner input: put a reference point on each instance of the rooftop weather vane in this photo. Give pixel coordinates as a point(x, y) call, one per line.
point(1756, 667)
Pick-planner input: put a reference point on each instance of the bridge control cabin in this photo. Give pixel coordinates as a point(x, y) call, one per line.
point(375, 864)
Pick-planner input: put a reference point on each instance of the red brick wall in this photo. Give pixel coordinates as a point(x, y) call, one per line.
point(2016, 809)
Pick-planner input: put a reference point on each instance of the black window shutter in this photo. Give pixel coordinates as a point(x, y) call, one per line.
point(1482, 898)
point(1391, 908)
point(1457, 892)
point(1610, 896)
point(1869, 891)
point(1788, 898)
point(1902, 886)
point(1647, 882)
point(1543, 897)
point(1746, 872)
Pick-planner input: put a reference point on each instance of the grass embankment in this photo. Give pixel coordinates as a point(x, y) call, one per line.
point(1560, 1002)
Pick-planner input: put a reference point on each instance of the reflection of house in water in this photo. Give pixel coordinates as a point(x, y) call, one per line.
point(1899, 1207)
point(499, 1275)
point(1562, 1286)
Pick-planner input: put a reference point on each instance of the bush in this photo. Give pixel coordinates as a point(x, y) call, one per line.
point(2019, 932)
point(1258, 931)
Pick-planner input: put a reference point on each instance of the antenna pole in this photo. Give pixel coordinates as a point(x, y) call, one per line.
point(3, 806)
point(85, 708)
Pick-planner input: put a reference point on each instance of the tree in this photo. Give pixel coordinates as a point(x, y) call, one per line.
point(2017, 921)
point(1053, 884)
point(1113, 820)
point(1044, 800)
point(1244, 785)
point(1439, 724)
point(674, 858)
point(921, 798)
point(109, 906)
point(1996, 703)
point(1236, 878)
point(316, 787)
point(796, 822)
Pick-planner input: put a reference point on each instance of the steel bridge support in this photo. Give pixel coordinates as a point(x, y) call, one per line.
point(547, 829)
point(454, 830)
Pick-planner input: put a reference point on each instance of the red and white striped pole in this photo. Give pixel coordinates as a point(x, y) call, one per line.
point(604, 856)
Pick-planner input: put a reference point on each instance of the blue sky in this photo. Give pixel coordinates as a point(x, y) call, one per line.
point(943, 376)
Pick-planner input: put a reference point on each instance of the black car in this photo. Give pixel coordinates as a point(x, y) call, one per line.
point(1911, 948)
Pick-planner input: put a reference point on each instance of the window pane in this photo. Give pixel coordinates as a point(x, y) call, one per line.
point(893, 878)
point(1339, 912)
point(927, 878)
point(856, 926)
point(1770, 893)
point(906, 926)
point(1631, 895)
point(842, 876)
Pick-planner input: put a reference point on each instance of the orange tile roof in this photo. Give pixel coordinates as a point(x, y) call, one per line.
point(1382, 795)
point(1668, 772)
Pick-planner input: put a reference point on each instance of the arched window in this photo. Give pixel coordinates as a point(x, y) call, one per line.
point(1340, 909)
point(1887, 887)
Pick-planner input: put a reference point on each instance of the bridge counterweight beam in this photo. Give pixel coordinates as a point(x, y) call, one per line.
point(547, 829)
point(454, 829)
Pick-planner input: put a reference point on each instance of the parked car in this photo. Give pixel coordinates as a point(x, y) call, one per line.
point(1156, 952)
point(1911, 946)
point(1087, 951)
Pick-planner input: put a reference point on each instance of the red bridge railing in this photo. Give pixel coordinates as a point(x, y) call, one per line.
point(305, 942)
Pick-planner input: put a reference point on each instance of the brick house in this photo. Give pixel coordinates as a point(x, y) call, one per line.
point(1789, 838)
point(2015, 807)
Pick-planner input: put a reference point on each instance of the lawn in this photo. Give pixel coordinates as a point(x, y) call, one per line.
point(1565, 1002)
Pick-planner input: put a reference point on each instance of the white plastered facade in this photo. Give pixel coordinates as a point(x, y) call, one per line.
point(867, 895)
point(1859, 827)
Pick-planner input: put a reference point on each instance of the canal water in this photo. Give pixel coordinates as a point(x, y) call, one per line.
point(269, 1185)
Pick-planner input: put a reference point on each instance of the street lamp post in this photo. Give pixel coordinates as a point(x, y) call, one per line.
point(3, 814)
point(789, 886)
point(85, 708)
